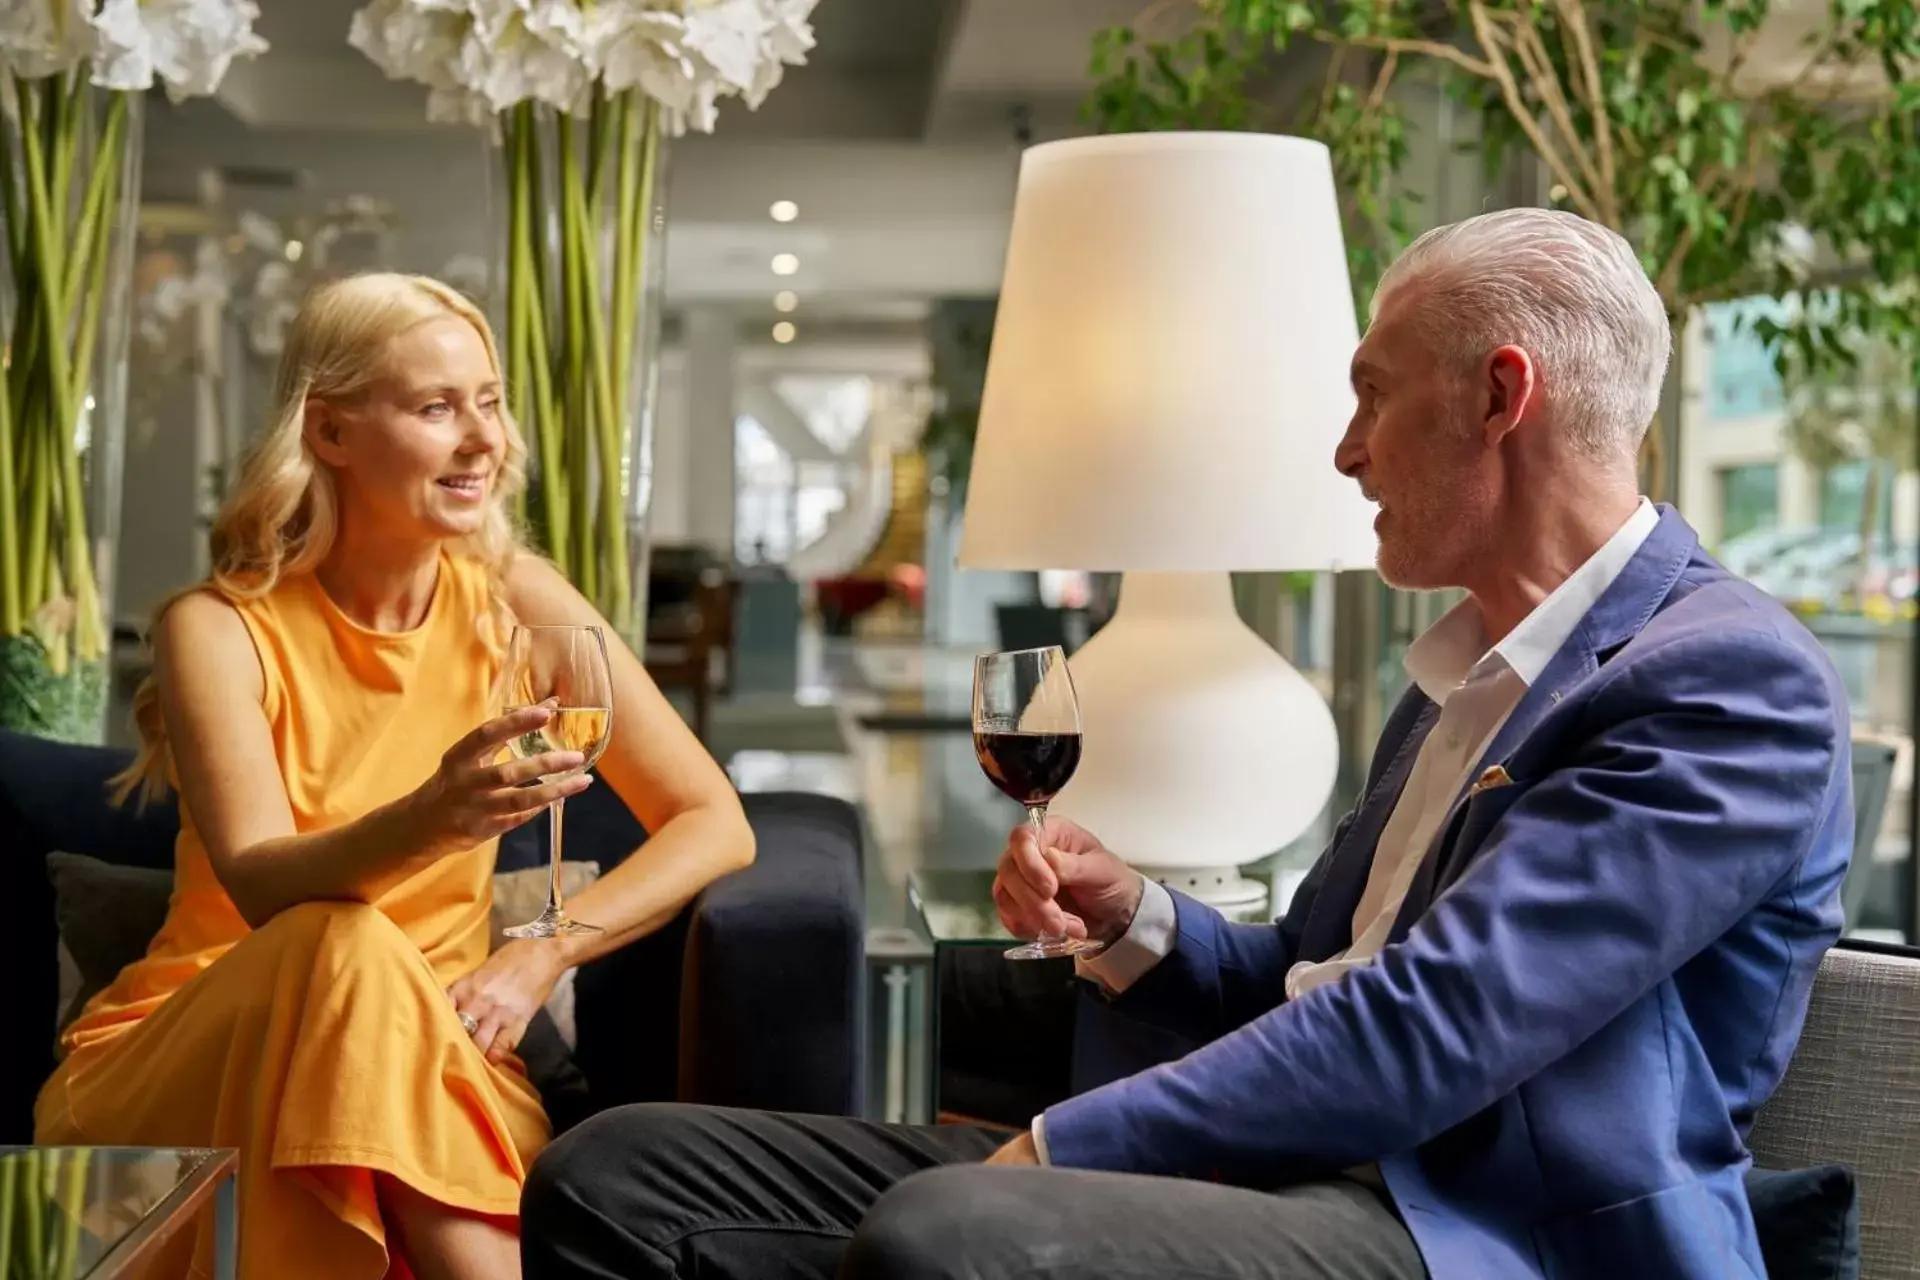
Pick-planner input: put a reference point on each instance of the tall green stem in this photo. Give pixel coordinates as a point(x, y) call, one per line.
point(11, 206)
point(601, 424)
point(47, 258)
point(597, 130)
point(73, 1198)
point(31, 1220)
point(97, 252)
point(518, 379)
point(101, 185)
point(36, 479)
point(578, 390)
point(625, 192)
point(552, 474)
point(67, 113)
point(11, 617)
point(529, 303)
point(11, 1197)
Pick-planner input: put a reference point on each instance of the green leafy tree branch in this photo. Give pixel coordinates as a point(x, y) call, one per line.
point(1731, 173)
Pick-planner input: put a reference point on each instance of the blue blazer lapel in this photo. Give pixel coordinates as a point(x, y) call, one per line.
point(1617, 617)
point(1329, 927)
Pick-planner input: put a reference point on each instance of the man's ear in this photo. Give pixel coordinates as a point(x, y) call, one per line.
point(1511, 386)
point(321, 427)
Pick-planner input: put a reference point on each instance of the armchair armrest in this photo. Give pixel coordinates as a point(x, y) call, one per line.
point(752, 996)
point(772, 987)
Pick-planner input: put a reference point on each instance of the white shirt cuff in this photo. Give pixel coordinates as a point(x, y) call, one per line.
point(1040, 1139)
point(1147, 941)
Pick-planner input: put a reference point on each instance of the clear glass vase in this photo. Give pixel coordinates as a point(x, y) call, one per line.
point(581, 210)
point(69, 190)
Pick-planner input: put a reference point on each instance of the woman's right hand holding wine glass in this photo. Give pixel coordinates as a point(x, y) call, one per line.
point(1074, 886)
point(476, 795)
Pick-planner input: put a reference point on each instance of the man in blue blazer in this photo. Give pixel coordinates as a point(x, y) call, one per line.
point(1520, 1014)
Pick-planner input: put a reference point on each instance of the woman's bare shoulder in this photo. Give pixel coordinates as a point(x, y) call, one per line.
point(538, 593)
point(202, 628)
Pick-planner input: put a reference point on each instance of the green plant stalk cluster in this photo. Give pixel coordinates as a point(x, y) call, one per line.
point(60, 166)
point(1646, 114)
point(580, 200)
point(36, 1244)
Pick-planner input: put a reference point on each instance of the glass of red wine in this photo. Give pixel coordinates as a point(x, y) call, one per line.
point(1026, 733)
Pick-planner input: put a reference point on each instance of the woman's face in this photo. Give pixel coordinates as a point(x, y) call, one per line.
point(417, 455)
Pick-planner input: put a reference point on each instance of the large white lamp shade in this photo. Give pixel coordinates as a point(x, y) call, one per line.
point(1166, 386)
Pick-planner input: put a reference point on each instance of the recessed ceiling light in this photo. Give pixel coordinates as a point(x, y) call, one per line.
point(784, 331)
point(785, 264)
point(786, 300)
point(784, 211)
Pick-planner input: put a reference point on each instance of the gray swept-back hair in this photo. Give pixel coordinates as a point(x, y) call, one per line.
point(1568, 291)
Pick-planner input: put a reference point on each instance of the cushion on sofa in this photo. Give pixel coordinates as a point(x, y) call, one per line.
point(106, 915)
point(1808, 1221)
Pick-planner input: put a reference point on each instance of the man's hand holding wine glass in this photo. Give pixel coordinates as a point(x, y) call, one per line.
point(1072, 886)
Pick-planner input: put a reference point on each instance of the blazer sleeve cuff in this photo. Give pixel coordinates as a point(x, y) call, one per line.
point(1149, 939)
point(1090, 1132)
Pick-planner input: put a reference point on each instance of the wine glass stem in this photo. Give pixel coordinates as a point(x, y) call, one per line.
point(555, 813)
point(1037, 823)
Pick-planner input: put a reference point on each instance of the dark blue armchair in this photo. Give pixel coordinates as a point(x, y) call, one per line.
point(752, 997)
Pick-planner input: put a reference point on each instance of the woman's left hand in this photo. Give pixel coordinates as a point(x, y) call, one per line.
point(503, 994)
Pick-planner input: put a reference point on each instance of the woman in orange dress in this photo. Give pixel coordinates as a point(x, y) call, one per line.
point(322, 996)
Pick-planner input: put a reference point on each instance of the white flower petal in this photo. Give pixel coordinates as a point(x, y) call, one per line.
point(123, 48)
point(483, 56)
point(193, 42)
point(648, 52)
point(727, 35)
point(559, 22)
point(700, 115)
point(412, 40)
point(42, 38)
point(188, 44)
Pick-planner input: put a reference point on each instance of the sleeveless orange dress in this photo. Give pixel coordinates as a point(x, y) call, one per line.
point(323, 1046)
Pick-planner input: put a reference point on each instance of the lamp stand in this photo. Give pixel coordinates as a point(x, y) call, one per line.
point(1204, 749)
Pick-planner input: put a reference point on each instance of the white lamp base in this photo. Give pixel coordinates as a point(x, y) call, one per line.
point(1204, 749)
point(1222, 887)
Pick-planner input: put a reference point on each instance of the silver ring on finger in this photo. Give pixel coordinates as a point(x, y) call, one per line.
point(469, 1023)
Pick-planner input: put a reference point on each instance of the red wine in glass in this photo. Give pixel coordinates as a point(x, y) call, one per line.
point(1029, 767)
point(1026, 735)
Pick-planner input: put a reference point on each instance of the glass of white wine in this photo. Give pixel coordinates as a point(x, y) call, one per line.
point(565, 668)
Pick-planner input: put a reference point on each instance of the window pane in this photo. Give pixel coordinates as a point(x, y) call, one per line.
point(1749, 499)
point(1741, 381)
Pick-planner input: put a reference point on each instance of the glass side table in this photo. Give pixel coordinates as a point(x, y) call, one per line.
point(91, 1213)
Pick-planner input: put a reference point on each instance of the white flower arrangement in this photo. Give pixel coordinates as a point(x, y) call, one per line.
point(128, 45)
point(479, 58)
point(581, 92)
point(67, 186)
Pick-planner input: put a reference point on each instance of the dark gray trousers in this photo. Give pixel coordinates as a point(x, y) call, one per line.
point(663, 1190)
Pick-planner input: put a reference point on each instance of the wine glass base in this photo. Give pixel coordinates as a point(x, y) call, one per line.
point(1055, 948)
point(551, 924)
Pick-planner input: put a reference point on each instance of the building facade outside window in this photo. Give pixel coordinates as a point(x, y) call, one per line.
point(1749, 500)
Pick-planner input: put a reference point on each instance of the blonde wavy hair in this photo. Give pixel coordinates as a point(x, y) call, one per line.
point(281, 515)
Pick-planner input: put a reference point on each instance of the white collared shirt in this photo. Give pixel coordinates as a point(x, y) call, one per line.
point(1476, 687)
